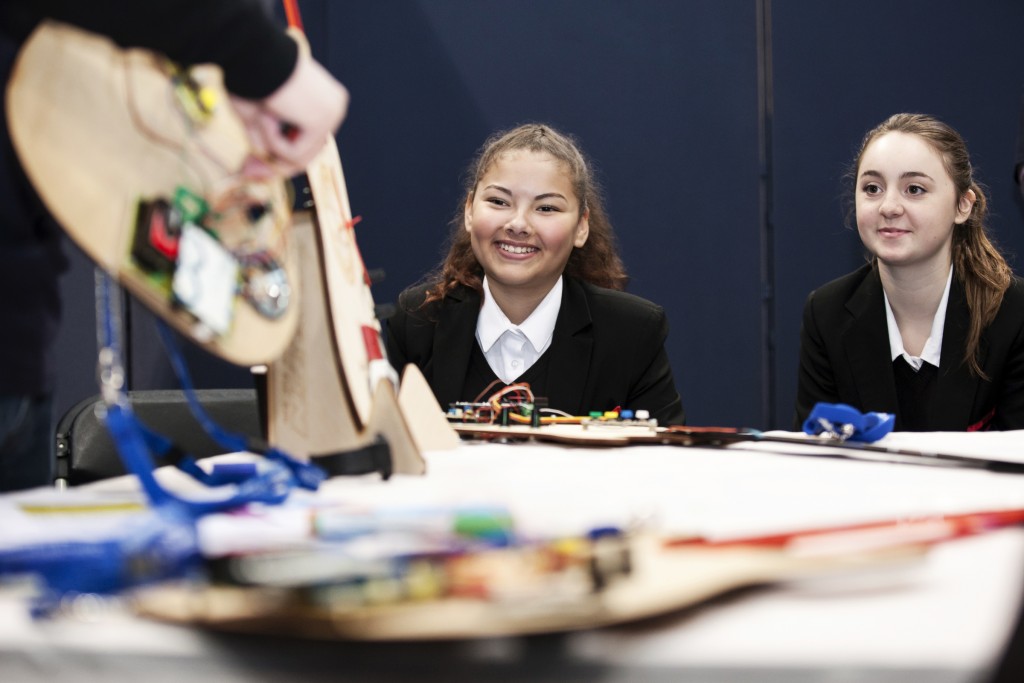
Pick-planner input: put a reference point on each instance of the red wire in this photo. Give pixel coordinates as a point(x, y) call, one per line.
point(291, 11)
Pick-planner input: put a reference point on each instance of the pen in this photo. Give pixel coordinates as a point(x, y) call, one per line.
point(878, 534)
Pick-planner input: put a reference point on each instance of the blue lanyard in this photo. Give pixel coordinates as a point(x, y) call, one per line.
point(307, 475)
point(162, 542)
point(269, 484)
point(152, 546)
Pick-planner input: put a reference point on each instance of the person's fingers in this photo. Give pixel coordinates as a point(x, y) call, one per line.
point(290, 127)
point(308, 107)
point(294, 147)
point(249, 114)
point(258, 169)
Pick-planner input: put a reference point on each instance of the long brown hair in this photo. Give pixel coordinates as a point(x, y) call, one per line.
point(977, 263)
point(597, 261)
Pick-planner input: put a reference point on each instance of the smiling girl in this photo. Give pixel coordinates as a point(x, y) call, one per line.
point(531, 292)
point(932, 328)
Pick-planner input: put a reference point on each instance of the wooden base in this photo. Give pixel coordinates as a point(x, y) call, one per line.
point(603, 434)
point(662, 581)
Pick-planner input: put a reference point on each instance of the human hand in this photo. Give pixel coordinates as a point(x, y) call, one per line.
point(288, 128)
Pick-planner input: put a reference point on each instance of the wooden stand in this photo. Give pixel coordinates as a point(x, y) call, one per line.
point(322, 395)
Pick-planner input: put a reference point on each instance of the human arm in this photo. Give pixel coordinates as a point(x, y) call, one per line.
point(395, 338)
point(654, 388)
point(240, 36)
point(816, 381)
point(1009, 324)
point(289, 127)
point(273, 83)
point(1009, 411)
point(409, 331)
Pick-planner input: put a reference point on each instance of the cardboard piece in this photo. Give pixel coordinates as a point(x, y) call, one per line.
point(97, 128)
point(662, 581)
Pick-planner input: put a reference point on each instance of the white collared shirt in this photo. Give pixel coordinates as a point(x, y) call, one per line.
point(510, 349)
point(933, 346)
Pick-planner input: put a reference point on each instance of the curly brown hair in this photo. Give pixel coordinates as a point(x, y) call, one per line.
point(597, 261)
point(977, 262)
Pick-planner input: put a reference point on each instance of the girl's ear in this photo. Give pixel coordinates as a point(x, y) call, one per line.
point(582, 230)
point(467, 214)
point(964, 206)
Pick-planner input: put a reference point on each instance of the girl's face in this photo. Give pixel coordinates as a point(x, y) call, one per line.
point(906, 202)
point(524, 220)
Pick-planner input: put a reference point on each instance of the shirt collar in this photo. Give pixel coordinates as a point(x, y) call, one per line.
point(933, 347)
point(539, 327)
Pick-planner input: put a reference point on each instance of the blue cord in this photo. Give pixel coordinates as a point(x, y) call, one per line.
point(270, 486)
point(307, 475)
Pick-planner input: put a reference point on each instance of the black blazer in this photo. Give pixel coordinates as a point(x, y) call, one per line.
point(608, 349)
point(845, 357)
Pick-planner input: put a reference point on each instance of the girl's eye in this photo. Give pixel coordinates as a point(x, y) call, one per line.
point(915, 189)
point(871, 188)
point(496, 201)
point(547, 208)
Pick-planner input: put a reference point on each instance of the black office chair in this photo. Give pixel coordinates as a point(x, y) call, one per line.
point(86, 453)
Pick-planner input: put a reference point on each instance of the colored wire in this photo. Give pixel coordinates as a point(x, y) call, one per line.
point(291, 12)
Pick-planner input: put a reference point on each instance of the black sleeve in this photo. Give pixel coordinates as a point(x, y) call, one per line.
point(240, 36)
point(816, 382)
point(394, 337)
point(409, 330)
point(1010, 402)
point(655, 388)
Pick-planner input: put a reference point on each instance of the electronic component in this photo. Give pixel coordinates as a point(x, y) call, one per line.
point(205, 276)
point(206, 279)
point(516, 404)
point(196, 100)
point(265, 284)
point(157, 234)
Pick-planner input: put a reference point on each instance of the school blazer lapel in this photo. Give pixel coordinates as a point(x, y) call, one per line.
point(956, 386)
point(866, 342)
point(571, 350)
point(453, 344)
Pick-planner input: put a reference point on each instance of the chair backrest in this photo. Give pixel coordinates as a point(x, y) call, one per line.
point(85, 451)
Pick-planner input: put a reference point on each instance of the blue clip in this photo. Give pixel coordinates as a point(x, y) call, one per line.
point(846, 423)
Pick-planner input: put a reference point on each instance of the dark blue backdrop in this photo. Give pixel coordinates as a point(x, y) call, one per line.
point(720, 129)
